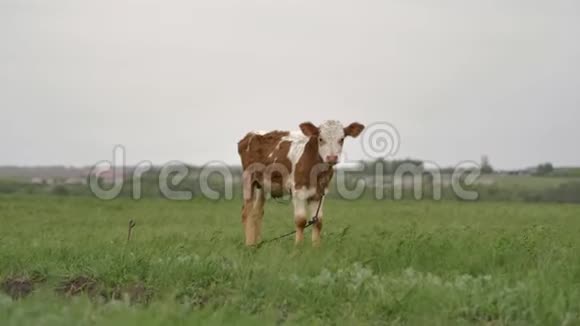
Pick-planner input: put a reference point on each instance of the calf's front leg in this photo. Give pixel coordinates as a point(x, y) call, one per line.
point(300, 219)
point(317, 227)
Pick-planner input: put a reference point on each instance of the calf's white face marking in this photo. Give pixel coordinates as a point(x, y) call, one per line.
point(330, 141)
point(331, 135)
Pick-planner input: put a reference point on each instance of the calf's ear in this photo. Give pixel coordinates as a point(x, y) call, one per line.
point(354, 129)
point(310, 130)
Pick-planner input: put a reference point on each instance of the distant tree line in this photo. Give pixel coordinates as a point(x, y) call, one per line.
point(544, 169)
point(390, 167)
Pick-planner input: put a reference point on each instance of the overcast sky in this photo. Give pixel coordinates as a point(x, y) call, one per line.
point(185, 79)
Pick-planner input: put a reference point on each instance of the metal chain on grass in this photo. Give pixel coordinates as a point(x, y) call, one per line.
point(312, 221)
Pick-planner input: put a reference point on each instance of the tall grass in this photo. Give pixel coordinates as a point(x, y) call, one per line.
point(381, 262)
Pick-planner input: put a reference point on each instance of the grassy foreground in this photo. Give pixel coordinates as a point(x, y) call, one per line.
point(414, 263)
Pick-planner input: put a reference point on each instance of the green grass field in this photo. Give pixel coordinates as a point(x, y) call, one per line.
point(381, 263)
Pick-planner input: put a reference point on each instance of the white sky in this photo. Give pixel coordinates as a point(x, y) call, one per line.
point(184, 80)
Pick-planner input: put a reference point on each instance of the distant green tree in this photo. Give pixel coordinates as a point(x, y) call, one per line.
point(486, 167)
point(545, 169)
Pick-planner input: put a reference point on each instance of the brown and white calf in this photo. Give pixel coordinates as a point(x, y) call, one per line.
point(299, 163)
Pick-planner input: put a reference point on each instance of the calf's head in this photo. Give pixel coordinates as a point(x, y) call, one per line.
point(330, 136)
